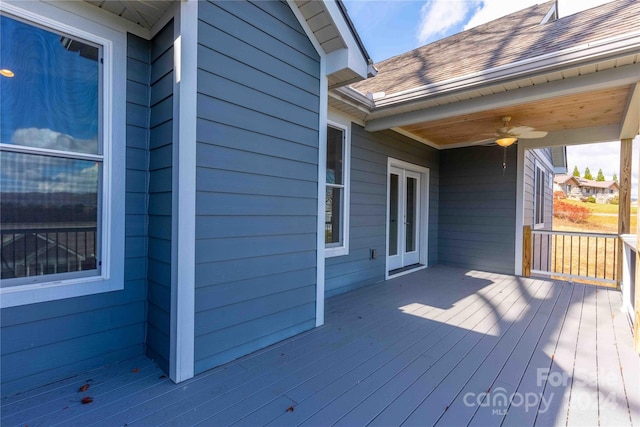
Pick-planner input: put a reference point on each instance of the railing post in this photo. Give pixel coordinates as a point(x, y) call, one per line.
point(526, 251)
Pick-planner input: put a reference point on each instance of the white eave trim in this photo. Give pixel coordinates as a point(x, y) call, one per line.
point(351, 57)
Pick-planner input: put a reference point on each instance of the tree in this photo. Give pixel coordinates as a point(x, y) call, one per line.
point(576, 172)
point(600, 176)
point(615, 178)
point(587, 173)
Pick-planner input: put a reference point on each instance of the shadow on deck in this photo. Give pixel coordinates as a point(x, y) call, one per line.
point(441, 346)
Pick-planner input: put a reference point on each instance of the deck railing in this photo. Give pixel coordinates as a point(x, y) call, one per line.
point(36, 251)
point(591, 257)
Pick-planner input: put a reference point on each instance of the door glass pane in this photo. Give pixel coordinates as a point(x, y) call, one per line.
point(393, 214)
point(410, 222)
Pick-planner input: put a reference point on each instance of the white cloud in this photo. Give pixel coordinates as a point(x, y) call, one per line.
point(47, 138)
point(438, 16)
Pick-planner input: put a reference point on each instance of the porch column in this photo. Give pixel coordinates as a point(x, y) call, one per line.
point(636, 302)
point(624, 200)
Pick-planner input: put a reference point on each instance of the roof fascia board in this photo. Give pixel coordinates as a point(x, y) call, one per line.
point(601, 80)
point(631, 119)
point(578, 55)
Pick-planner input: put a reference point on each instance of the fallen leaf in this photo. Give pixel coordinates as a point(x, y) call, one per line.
point(290, 409)
point(162, 376)
point(359, 317)
point(553, 356)
point(83, 388)
point(135, 370)
point(86, 400)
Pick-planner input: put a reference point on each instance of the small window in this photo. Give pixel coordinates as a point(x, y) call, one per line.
point(538, 201)
point(337, 192)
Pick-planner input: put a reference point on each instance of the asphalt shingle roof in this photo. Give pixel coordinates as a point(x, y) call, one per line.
point(515, 37)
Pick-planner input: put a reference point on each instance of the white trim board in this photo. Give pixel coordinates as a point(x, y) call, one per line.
point(182, 330)
point(322, 161)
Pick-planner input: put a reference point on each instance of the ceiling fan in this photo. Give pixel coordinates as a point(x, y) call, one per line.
point(507, 135)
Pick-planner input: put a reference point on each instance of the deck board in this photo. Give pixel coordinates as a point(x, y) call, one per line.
point(404, 351)
point(523, 415)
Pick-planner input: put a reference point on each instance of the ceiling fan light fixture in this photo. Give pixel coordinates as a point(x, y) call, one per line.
point(506, 141)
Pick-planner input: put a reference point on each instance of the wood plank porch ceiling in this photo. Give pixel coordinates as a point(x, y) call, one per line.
point(602, 107)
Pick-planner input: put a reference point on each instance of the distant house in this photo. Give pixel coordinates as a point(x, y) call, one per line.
point(577, 188)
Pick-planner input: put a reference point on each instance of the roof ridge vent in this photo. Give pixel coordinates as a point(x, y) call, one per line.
point(552, 14)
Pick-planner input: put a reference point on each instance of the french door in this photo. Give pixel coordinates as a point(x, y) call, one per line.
point(403, 247)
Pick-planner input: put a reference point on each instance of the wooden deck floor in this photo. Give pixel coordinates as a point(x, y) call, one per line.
point(442, 346)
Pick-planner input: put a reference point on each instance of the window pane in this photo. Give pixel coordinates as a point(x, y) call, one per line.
point(52, 100)
point(334, 156)
point(333, 215)
point(49, 214)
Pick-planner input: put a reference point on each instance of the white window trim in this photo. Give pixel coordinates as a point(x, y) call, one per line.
point(538, 168)
point(113, 43)
point(345, 126)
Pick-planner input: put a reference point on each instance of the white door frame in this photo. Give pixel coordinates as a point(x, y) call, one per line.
point(423, 224)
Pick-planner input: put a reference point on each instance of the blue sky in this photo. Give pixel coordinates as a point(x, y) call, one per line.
point(389, 28)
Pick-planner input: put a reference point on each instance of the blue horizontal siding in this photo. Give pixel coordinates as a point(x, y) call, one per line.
point(160, 195)
point(46, 342)
point(257, 171)
point(477, 209)
point(368, 209)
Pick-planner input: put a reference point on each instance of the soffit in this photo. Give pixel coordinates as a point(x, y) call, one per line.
point(584, 110)
point(145, 13)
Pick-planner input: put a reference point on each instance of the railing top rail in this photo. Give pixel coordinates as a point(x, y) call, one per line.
point(574, 233)
point(47, 230)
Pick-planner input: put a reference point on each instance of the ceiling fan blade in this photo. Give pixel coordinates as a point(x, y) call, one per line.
point(519, 130)
point(534, 134)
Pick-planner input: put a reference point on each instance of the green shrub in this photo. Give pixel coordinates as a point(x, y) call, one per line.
point(591, 199)
point(615, 200)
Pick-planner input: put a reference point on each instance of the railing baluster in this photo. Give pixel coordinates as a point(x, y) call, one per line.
point(562, 255)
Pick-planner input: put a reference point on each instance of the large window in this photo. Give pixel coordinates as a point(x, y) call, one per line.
point(50, 154)
point(336, 195)
point(538, 201)
point(62, 153)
